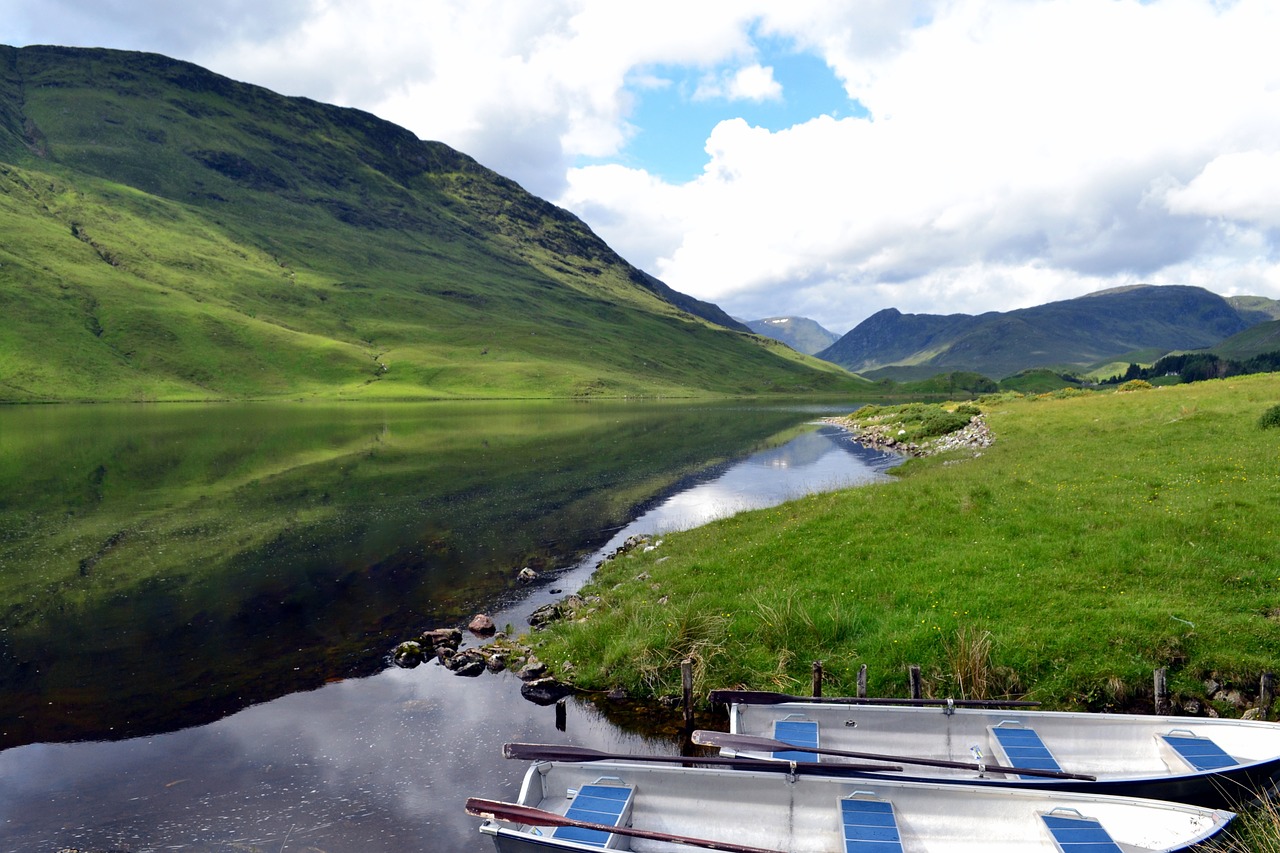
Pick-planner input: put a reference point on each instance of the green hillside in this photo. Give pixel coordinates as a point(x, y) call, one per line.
point(1255, 340)
point(1256, 309)
point(172, 234)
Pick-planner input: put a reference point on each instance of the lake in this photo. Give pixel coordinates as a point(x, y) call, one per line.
point(199, 601)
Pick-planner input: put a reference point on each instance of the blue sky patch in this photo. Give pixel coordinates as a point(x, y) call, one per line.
point(672, 123)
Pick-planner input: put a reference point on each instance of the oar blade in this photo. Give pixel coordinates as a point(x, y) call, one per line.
point(552, 752)
point(513, 813)
point(725, 740)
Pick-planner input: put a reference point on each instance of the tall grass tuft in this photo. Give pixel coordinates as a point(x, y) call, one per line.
point(1255, 830)
point(969, 656)
point(687, 632)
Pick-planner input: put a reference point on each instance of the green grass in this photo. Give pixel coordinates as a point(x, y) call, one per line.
point(1256, 829)
point(1100, 537)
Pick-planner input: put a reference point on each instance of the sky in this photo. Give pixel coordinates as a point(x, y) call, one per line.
point(804, 157)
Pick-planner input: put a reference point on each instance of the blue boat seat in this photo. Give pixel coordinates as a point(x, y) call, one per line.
point(869, 825)
point(605, 804)
point(1023, 748)
point(1201, 753)
point(1075, 833)
point(798, 732)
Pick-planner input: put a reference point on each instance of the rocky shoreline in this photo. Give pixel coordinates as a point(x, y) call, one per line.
point(888, 435)
point(501, 651)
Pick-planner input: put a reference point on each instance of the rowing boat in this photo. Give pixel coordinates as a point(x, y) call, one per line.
point(627, 804)
point(1209, 762)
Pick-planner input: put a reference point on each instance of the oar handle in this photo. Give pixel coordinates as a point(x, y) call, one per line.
point(732, 741)
point(515, 813)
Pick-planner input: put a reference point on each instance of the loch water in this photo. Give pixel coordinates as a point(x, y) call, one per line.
point(197, 602)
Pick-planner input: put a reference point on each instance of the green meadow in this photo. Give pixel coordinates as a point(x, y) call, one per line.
point(1100, 537)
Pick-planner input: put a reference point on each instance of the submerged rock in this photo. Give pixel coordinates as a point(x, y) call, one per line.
point(408, 654)
point(545, 691)
point(469, 663)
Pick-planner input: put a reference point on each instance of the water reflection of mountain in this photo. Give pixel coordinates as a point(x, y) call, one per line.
point(164, 566)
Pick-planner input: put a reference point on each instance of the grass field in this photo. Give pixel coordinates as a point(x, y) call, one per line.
point(1100, 537)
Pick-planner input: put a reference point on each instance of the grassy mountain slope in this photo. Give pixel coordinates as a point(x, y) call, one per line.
point(1256, 309)
point(1073, 332)
point(172, 234)
point(799, 333)
point(1255, 340)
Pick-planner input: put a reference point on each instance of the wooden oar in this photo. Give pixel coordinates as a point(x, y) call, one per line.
point(767, 744)
point(555, 752)
point(514, 813)
point(761, 697)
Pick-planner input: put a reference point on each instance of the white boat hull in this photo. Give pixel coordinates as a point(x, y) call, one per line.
point(802, 814)
point(1125, 752)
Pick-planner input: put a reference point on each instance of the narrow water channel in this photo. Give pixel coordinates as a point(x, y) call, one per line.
point(371, 762)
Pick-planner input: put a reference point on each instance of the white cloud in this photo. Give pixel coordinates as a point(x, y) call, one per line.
point(751, 83)
point(1243, 186)
point(1017, 151)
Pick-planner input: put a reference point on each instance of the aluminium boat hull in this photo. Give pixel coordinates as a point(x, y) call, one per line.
point(806, 814)
point(1127, 753)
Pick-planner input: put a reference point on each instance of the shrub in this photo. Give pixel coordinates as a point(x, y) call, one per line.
point(1073, 391)
point(941, 422)
point(1001, 397)
point(968, 410)
point(1270, 418)
point(1135, 385)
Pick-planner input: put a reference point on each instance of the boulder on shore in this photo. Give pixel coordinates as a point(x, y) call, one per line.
point(481, 625)
point(438, 638)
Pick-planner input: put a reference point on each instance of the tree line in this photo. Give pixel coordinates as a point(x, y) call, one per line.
point(1199, 366)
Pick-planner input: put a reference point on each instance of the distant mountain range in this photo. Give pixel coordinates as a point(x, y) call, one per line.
point(1112, 325)
point(799, 333)
point(172, 234)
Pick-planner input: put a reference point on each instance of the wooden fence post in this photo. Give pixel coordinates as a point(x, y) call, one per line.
point(1162, 691)
point(862, 681)
point(817, 678)
point(917, 689)
point(686, 681)
point(1266, 694)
